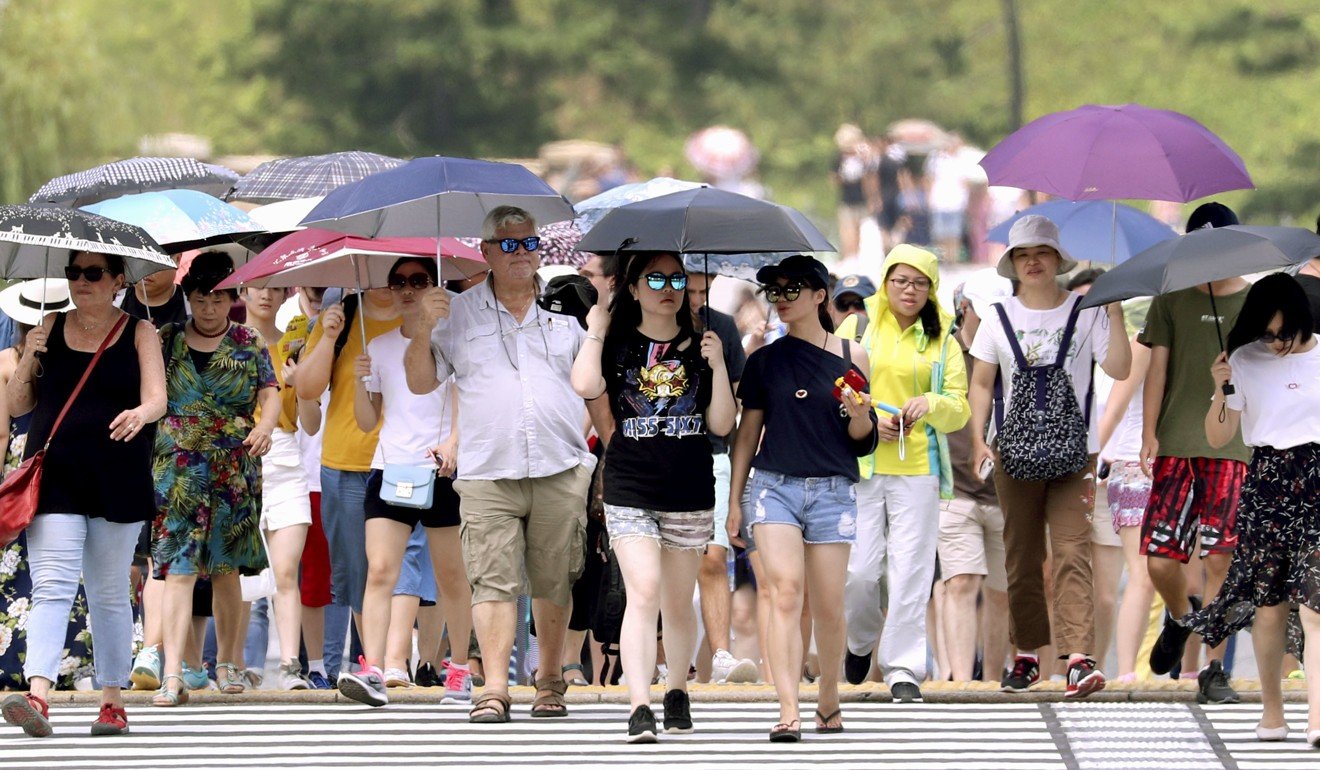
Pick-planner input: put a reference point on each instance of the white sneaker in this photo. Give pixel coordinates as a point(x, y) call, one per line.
point(726, 669)
point(291, 677)
point(397, 677)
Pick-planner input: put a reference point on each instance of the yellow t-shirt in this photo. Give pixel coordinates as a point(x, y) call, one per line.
point(346, 447)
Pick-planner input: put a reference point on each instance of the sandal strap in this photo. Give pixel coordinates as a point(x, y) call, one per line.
point(556, 685)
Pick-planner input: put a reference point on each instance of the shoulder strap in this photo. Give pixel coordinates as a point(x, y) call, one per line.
point(123, 319)
point(862, 323)
point(1012, 336)
point(1068, 329)
point(847, 354)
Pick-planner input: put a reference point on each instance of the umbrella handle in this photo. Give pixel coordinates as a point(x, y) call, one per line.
point(362, 308)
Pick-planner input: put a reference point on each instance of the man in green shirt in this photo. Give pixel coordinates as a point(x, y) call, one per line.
point(1195, 487)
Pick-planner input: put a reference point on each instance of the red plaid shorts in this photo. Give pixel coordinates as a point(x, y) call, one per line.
point(1190, 499)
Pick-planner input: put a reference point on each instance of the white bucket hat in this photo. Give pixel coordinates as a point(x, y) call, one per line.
point(1034, 230)
point(23, 301)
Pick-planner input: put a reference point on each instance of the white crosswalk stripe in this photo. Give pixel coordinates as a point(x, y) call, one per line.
point(937, 736)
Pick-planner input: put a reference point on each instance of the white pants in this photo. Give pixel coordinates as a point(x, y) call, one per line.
point(898, 525)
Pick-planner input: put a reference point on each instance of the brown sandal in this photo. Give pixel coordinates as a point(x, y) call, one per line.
point(494, 704)
point(552, 705)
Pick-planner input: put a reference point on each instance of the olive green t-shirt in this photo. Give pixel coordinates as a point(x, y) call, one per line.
point(1183, 322)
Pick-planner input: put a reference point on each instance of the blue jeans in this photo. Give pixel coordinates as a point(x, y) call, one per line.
point(342, 496)
point(258, 635)
point(824, 508)
point(61, 548)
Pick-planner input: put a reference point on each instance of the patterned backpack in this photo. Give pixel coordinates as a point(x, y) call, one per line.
point(1044, 434)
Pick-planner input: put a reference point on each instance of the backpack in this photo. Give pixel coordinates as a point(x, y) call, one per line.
point(1043, 435)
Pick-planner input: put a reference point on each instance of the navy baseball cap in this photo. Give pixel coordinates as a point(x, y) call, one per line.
point(860, 285)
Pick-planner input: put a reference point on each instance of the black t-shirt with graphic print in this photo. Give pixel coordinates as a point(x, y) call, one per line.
point(660, 456)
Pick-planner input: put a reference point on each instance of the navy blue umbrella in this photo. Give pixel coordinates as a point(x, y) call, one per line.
point(435, 196)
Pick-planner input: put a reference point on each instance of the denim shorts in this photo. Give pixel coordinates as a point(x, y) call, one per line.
point(824, 508)
point(675, 530)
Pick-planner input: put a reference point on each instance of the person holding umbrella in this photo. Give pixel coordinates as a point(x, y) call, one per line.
point(794, 466)
point(1273, 362)
point(1042, 349)
point(1194, 486)
point(523, 462)
point(89, 513)
point(208, 470)
point(669, 391)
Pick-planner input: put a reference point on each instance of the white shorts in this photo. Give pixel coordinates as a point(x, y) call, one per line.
point(284, 498)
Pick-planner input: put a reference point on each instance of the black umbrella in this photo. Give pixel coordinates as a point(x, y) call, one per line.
point(37, 241)
point(704, 220)
point(135, 175)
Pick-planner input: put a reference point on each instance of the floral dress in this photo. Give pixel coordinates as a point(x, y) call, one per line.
point(16, 601)
point(208, 489)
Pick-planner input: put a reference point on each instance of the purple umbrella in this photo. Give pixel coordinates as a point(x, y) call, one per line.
point(1107, 152)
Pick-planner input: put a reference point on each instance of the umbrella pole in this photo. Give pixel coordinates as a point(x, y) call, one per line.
point(362, 306)
point(1113, 232)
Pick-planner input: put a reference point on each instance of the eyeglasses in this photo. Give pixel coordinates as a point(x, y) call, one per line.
point(657, 281)
point(510, 245)
point(1270, 337)
point(417, 281)
point(902, 284)
point(92, 274)
point(790, 293)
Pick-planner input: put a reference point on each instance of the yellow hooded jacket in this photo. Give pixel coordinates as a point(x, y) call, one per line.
point(907, 363)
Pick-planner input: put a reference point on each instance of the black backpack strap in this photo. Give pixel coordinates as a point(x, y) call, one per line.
point(847, 356)
point(862, 323)
point(999, 399)
point(1012, 336)
point(1068, 330)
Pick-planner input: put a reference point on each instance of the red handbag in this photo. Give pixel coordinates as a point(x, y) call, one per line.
point(21, 489)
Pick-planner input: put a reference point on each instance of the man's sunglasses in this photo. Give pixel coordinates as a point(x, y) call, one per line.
point(92, 274)
point(1270, 337)
point(657, 281)
point(510, 245)
point(774, 292)
point(418, 281)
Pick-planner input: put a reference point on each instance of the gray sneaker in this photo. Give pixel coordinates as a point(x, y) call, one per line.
point(290, 675)
point(1213, 687)
point(366, 686)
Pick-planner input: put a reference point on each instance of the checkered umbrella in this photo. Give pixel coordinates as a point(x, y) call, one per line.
point(135, 175)
point(290, 178)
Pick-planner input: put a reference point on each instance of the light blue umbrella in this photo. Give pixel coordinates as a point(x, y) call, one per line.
point(593, 209)
point(180, 220)
point(1098, 231)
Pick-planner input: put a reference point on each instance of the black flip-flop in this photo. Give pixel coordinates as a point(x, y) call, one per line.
point(787, 734)
point(823, 726)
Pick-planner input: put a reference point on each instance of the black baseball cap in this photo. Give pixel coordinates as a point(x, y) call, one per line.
point(796, 267)
point(1212, 214)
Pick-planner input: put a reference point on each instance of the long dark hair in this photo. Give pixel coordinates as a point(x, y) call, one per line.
point(1275, 293)
point(626, 311)
point(929, 315)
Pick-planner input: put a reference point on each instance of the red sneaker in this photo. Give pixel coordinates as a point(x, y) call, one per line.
point(111, 721)
point(28, 712)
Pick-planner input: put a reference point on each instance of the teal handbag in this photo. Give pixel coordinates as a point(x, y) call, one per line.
point(409, 486)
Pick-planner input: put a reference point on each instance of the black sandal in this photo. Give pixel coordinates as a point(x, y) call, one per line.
point(823, 726)
point(786, 733)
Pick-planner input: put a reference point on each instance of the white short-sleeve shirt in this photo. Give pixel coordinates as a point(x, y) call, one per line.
point(412, 424)
point(1277, 396)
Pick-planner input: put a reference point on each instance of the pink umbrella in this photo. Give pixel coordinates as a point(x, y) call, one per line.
point(721, 152)
point(1108, 152)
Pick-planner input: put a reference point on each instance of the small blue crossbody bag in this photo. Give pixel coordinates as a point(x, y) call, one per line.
point(408, 485)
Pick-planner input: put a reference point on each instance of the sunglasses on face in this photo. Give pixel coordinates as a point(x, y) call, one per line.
point(510, 245)
point(1271, 337)
point(416, 280)
point(774, 293)
point(92, 274)
point(657, 281)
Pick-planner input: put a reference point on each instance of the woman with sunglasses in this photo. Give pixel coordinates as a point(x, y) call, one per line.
point(416, 432)
point(96, 483)
point(668, 389)
point(918, 373)
point(799, 444)
point(1273, 365)
point(208, 470)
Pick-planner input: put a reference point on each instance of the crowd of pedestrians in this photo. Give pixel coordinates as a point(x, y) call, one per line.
point(907, 491)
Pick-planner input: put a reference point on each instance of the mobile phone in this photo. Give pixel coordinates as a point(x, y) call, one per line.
point(987, 468)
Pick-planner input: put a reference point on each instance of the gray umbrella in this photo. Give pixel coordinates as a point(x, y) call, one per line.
point(704, 220)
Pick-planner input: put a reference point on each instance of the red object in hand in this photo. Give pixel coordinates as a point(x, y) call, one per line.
point(853, 379)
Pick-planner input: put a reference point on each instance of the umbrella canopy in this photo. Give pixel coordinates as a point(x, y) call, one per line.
point(1107, 152)
point(315, 257)
point(180, 220)
point(278, 220)
point(313, 175)
point(593, 209)
point(1095, 230)
point(559, 245)
point(37, 241)
point(704, 220)
point(721, 152)
point(428, 197)
point(1203, 256)
point(135, 175)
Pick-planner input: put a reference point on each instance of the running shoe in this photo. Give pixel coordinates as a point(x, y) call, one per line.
point(111, 721)
point(1212, 685)
point(458, 684)
point(641, 725)
point(397, 677)
point(146, 669)
point(427, 676)
point(678, 713)
point(366, 686)
point(317, 681)
point(1083, 679)
point(291, 676)
point(1024, 676)
point(196, 679)
point(1168, 649)
point(905, 692)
